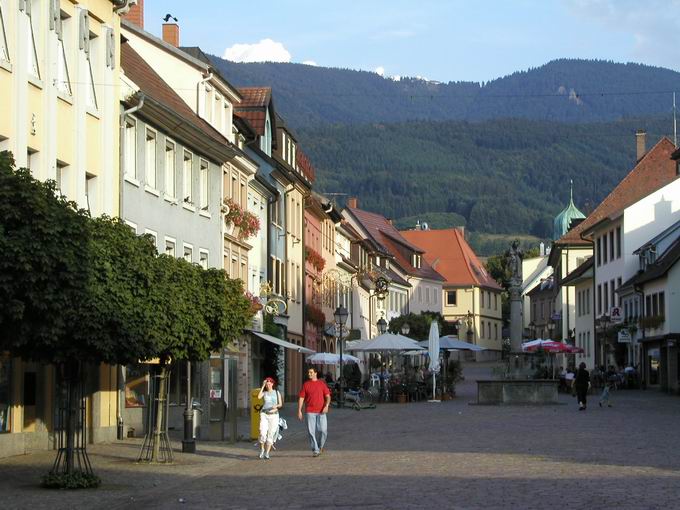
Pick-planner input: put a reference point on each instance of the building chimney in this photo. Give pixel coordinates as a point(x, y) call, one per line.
point(641, 143)
point(352, 202)
point(136, 14)
point(171, 34)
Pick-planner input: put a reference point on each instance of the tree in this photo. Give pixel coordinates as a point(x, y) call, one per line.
point(419, 325)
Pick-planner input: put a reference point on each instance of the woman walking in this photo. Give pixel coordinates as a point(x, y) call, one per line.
point(582, 385)
point(269, 416)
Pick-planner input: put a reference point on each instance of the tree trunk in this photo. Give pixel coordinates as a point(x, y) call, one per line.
point(160, 410)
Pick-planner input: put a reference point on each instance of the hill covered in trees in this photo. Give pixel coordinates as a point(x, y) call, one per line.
point(566, 90)
point(501, 176)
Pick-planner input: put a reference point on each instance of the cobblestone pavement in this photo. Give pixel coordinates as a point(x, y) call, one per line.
point(447, 455)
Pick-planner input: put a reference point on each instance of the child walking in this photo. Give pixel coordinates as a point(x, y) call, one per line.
point(604, 398)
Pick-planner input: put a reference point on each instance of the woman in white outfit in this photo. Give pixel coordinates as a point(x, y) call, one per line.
point(269, 416)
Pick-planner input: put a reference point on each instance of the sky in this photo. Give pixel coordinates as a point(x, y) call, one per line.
point(442, 40)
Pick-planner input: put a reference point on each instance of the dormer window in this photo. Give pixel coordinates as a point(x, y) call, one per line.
point(377, 261)
point(415, 260)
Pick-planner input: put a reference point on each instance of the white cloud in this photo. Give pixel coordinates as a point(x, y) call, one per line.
point(310, 63)
point(266, 50)
point(380, 71)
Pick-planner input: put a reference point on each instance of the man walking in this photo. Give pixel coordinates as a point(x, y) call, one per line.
point(316, 398)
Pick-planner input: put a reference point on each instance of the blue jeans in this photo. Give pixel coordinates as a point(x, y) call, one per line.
point(317, 425)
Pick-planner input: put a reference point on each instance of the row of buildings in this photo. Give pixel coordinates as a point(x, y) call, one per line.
point(140, 127)
point(611, 282)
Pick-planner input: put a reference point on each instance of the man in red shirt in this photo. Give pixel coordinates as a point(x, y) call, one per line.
point(316, 398)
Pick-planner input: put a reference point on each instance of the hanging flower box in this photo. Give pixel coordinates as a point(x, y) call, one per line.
point(244, 223)
point(315, 259)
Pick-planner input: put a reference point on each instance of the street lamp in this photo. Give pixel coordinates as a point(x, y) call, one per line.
point(340, 319)
point(551, 327)
point(382, 328)
point(382, 325)
point(405, 328)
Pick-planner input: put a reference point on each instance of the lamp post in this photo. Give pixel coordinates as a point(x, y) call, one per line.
point(382, 328)
point(340, 319)
point(188, 443)
point(405, 329)
point(603, 323)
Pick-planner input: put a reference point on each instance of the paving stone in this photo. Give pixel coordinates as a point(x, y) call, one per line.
point(447, 455)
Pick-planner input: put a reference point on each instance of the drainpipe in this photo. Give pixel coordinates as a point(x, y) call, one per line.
point(121, 184)
point(122, 150)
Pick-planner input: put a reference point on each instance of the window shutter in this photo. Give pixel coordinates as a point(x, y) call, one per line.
point(54, 15)
point(84, 35)
point(25, 6)
point(110, 48)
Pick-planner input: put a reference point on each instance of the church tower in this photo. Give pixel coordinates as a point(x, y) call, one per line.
point(570, 214)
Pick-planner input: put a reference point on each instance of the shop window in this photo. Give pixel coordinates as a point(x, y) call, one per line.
point(5, 392)
point(136, 385)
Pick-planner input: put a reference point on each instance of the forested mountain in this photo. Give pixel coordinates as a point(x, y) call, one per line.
point(562, 90)
point(496, 157)
point(501, 176)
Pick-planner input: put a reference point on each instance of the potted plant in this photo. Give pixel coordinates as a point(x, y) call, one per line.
point(245, 224)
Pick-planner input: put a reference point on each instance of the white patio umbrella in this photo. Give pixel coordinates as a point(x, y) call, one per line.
point(433, 350)
point(330, 358)
point(451, 342)
point(386, 342)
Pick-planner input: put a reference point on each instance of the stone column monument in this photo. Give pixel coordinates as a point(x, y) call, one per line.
point(514, 257)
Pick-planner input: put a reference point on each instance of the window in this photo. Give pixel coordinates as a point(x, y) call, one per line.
point(599, 251)
point(618, 242)
point(188, 253)
point(588, 300)
point(203, 178)
point(150, 168)
point(62, 81)
point(427, 295)
point(599, 299)
point(32, 61)
point(420, 294)
point(648, 306)
point(605, 292)
point(662, 304)
point(170, 169)
point(61, 177)
point(187, 177)
point(604, 249)
point(495, 331)
point(611, 245)
point(88, 43)
point(5, 389)
point(203, 258)
point(91, 189)
point(131, 148)
point(170, 247)
point(136, 385)
point(495, 301)
point(588, 343)
point(4, 51)
point(481, 334)
point(153, 235)
point(612, 291)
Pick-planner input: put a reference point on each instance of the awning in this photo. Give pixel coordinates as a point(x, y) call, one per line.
point(282, 343)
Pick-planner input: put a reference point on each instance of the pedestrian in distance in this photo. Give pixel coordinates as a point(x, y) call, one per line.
point(269, 416)
point(316, 398)
point(582, 385)
point(604, 398)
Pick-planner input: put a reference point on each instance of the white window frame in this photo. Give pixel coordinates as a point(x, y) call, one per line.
point(201, 252)
point(170, 166)
point(63, 79)
point(91, 86)
point(4, 49)
point(33, 63)
point(130, 156)
point(132, 225)
point(150, 158)
point(173, 242)
point(204, 183)
point(154, 235)
point(187, 171)
point(190, 247)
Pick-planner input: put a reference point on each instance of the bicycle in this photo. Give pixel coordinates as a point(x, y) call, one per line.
point(361, 399)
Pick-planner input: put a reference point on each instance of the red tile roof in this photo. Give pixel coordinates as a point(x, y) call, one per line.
point(152, 85)
point(451, 256)
point(253, 107)
point(652, 172)
point(389, 239)
point(305, 165)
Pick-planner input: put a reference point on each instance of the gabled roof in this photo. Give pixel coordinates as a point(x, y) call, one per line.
point(659, 268)
point(391, 242)
point(654, 170)
point(253, 107)
point(451, 256)
point(153, 87)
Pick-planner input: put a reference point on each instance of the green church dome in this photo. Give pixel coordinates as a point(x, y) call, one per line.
point(568, 214)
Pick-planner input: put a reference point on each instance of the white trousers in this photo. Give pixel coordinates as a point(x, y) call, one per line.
point(269, 427)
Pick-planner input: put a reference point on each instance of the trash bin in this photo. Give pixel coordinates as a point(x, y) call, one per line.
point(255, 406)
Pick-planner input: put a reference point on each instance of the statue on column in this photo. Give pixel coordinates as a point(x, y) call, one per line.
point(514, 261)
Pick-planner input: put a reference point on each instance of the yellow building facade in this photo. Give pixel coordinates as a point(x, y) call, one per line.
point(59, 78)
